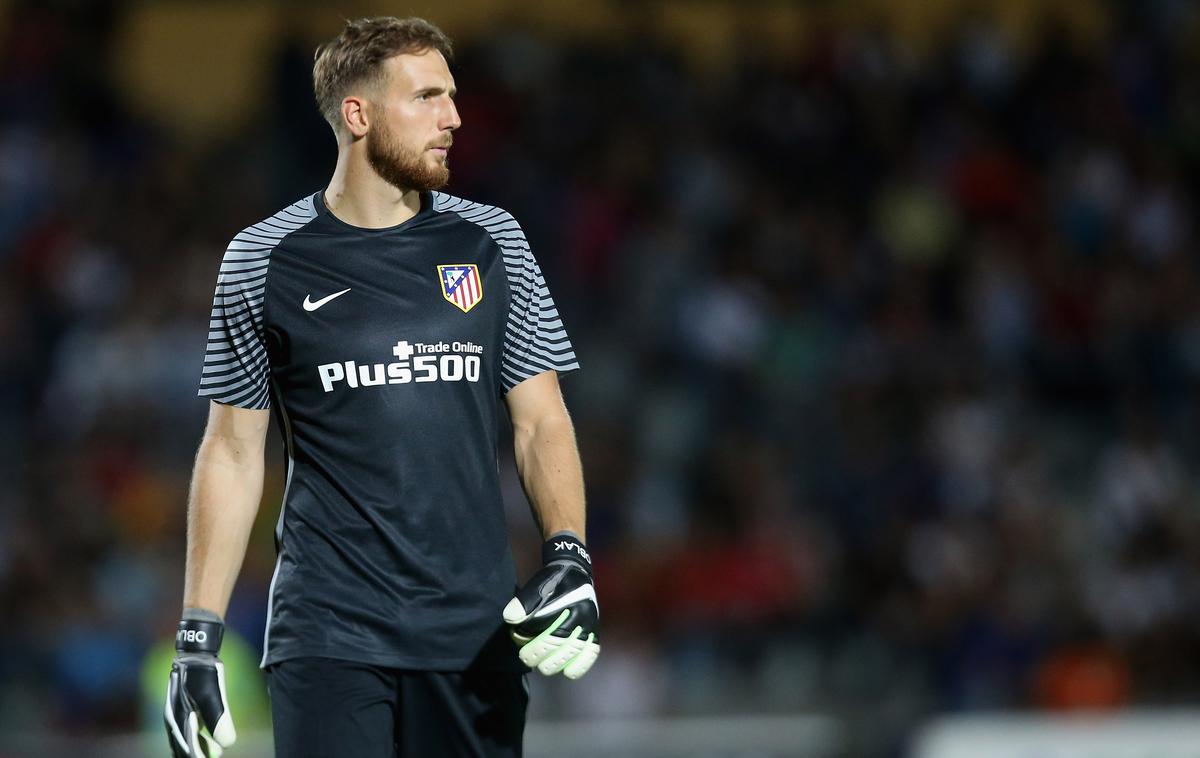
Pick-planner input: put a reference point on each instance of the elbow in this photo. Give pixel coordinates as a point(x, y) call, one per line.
point(546, 428)
point(550, 424)
point(231, 451)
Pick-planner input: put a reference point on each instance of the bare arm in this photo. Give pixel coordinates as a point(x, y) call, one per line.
point(227, 484)
point(554, 617)
point(547, 456)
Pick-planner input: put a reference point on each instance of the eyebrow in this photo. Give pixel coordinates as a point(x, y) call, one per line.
point(437, 91)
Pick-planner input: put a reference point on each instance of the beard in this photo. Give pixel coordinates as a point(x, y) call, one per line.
point(401, 166)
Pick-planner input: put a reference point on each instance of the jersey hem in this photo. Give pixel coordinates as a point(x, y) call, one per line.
point(247, 404)
point(389, 660)
point(560, 371)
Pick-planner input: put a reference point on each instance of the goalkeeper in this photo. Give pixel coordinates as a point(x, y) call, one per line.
point(384, 323)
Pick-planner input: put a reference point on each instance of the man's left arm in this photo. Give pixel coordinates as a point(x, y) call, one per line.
point(554, 617)
point(547, 456)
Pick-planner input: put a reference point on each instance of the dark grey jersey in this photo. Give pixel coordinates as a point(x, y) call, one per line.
point(384, 354)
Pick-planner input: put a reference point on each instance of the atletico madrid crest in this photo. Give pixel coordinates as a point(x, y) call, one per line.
point(461, 284)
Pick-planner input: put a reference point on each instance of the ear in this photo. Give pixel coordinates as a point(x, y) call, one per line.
point(355, 117)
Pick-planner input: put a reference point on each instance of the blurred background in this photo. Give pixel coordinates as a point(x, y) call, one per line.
point(888, 312)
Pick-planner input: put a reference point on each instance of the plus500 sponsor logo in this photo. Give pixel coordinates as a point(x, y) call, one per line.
point(418, 362)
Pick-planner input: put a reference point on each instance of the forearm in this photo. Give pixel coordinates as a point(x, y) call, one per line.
point(552, 475)
point(226, 489)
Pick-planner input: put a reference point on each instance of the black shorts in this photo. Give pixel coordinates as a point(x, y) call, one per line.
point(326, 708)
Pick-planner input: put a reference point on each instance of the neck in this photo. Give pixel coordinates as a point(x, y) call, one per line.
point(358, 196)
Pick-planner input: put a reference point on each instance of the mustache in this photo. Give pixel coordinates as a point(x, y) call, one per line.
point(445, 143)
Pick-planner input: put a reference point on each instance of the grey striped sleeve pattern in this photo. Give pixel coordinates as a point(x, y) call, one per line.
point(534, 337)
point(236, 371)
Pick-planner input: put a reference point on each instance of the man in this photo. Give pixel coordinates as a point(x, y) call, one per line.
point(382, 321)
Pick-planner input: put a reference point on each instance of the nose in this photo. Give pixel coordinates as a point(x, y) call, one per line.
point(450, 119)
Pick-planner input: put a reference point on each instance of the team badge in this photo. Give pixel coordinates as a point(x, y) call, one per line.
point(461, 284)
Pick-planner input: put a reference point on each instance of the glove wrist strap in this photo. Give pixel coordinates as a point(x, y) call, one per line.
point(199, 636)
point(565, 546)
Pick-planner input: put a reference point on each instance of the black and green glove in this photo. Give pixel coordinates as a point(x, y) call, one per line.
point(197, 716)
point(554, 618)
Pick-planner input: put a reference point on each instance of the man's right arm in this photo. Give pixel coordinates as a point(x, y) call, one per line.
point(227, 484)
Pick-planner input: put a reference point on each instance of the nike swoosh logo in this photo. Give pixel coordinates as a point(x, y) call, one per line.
point(580, 593)
point(309, 305)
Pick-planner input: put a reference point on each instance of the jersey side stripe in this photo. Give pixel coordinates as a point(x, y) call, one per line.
point(286, 425)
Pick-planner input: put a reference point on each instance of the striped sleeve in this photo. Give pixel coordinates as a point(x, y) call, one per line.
point(535, 339)
point(236, 370)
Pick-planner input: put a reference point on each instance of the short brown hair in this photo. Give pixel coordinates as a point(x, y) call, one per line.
point(357, 54)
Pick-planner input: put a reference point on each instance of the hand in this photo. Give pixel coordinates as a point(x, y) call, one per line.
point(197, 716)
point(554, 617)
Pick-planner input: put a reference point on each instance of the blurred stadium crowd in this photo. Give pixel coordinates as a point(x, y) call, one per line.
point(889, 400)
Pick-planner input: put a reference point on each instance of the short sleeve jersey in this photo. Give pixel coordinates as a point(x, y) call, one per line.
point(384, 354)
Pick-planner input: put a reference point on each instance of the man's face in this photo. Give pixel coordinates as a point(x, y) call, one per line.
point(412, 122)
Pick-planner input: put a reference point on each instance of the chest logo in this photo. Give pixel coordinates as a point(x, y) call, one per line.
point(312, 305)
point(461, 285)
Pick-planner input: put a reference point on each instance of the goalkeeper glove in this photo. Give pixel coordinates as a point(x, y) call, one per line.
point(197, 716)
point(554, 617)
